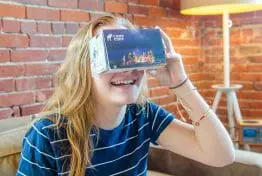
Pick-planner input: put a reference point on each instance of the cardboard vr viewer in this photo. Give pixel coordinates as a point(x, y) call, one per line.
point(116, 50)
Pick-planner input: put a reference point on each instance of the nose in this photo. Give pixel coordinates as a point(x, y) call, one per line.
point(133, 72)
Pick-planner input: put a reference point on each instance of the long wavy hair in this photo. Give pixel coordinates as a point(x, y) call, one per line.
point(73, 96)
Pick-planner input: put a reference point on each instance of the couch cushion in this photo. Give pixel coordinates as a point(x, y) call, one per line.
point(154, 173)
point(9, 164)
point(11, 141)
point(246, 164)
point(10, 147)
point(15, 122)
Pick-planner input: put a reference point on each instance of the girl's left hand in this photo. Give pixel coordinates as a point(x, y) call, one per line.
point(173, 73)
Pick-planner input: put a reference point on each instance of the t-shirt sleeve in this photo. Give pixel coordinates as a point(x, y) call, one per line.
point(159, 119)
point(37, 156)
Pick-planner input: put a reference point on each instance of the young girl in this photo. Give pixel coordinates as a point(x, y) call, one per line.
point(103, 125)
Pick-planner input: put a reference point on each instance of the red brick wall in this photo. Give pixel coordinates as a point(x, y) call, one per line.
point(246, 61)
point(34, 35)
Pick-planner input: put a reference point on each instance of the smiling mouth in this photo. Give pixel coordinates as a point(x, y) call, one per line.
point(123, 83)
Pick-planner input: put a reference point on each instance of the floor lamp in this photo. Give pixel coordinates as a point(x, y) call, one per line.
point(224, 7)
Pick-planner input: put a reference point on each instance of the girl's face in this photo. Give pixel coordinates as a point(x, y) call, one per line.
point(117, 88)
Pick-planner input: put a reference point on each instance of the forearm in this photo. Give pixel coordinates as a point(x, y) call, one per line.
point(210, 134)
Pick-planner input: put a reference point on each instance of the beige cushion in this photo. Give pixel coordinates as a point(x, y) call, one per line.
point(11, 141)
point(11, 123)
point(11, 136)
point(154, 173)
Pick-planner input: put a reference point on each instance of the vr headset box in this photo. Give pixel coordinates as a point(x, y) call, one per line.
point(116, 50)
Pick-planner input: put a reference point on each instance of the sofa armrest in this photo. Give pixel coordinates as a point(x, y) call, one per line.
point(168, 162)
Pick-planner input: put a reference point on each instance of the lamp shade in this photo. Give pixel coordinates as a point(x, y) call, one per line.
point(215, 7)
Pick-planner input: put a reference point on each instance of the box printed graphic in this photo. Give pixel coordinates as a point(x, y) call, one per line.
point(124, 49)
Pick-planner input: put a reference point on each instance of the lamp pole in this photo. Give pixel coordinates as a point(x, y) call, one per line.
point(229, 89)
point(226, 25)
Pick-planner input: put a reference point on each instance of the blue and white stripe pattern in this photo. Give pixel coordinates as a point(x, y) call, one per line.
point(120, 151)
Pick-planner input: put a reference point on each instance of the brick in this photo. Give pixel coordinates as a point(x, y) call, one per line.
point(166, 3)
point(28, 55)
point(71, 28)
point(176, 5)
point(254, 59)
point(196, 76)
point(157, 12)
point(42, 13)
point(250, 76)
point(133, 1)
point(257, 39)
point(1, 25)
point(14, 99)
point(45, 41)
point(16, 12)
point(172, 22)
point(171, 108)
point(44, 82)
point(66, 41)
point(72, 15)
point(43, 95)
point(254, 68)
point(58, 28)
point(11, 70)
point(44, 28)
point(36, 2)
point(25, 84)
point(145, 21)
point(190, 60)
point(247, 50)
point(56, 55)
point(258, 86)
point(153, 82)
point(28, 27)
point(149, 2)
point(166, 100)
point(40, 69)
point(189, 51)
point(241, 15)
point(11, 26)
point(64, 3)
point(159, 91)
point(239, 68)
point(7, 85)
point(96, 15)
point(7, 40)
point(4, 55)
point(9, 112)
point(93, 5)
point(185, 42)
point(252, 113)
point(6, 113)
point(134, 9)
point(247, 32)
point(178, 33)
point(116, 7)
point(31, 109)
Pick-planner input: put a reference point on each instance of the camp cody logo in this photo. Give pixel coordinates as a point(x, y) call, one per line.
point(114, 37)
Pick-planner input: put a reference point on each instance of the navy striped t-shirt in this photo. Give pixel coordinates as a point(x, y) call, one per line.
point(120, 151)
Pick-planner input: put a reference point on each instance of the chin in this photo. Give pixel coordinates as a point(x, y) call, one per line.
point(125, 100)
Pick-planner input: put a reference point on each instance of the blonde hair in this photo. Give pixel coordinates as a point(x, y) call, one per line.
point(73, 95)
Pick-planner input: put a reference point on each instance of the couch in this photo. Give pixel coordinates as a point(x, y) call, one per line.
point(160, 163)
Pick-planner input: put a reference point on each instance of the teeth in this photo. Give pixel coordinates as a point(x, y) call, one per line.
point(124, 82)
